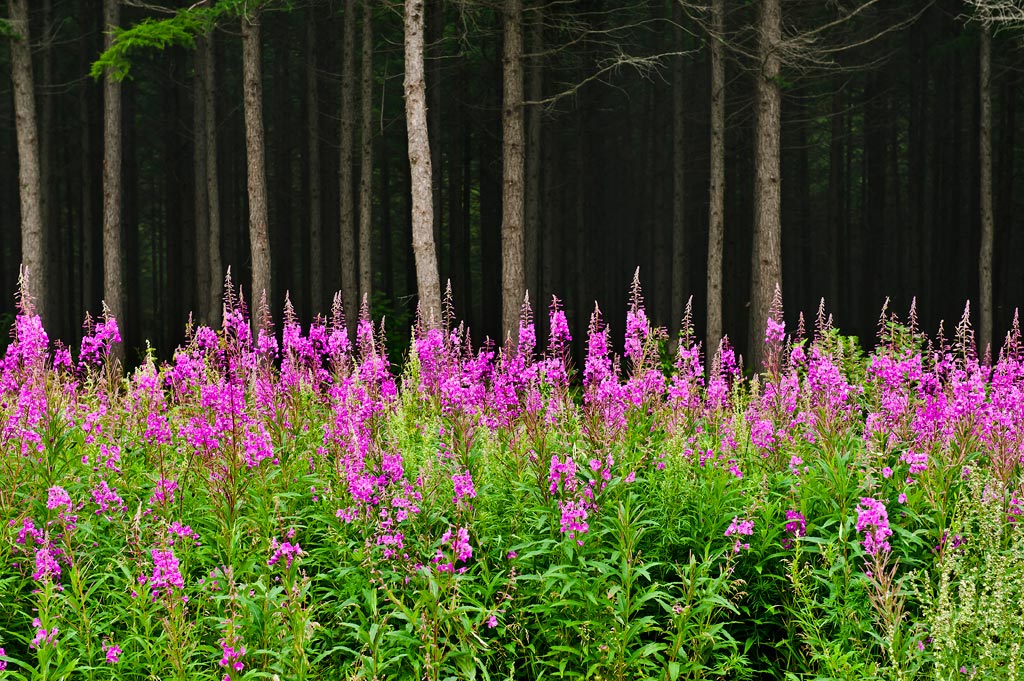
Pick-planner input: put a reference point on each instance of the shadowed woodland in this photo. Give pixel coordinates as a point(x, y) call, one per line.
point(626, 113)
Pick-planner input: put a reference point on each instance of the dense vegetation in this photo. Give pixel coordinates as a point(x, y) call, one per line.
point(880, 177)
point(286, 506)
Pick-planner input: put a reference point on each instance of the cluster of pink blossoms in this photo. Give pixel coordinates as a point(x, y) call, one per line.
point(873, 520)
point(232, 658)
point(740, 528)
point(43, 637)
point(166, 573)
point(287, 550)
point(458, 548)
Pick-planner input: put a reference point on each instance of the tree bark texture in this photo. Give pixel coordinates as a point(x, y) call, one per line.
point(678, 176)
point(259, 233)
point(29, 190)
point(532, 225)
point(86, 172)
point(201, 207)
point(316, 282)
point(766, 259)
point(347, 205)
point(113, 271)
point(427, 280)
point(215, 289)
point(716, 184)
point(366, 160)
point(513, 276)
point(985, 175)
point(55, 243)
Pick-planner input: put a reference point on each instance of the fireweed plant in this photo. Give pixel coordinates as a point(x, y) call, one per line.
point(282, 503)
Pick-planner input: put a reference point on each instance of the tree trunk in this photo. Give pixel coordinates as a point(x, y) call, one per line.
point(259, 233)
point(201, 207)
point(553, 255)
point(458, 226)
point(215, 288)
point(55, 245)
point(316, 282)
point(985, 162)
point(513, 284)
point(766, 259)
point(387, 269)
point(113, 272)
point(837, 216)
point(280, 143)
point(86, 170)
point(32, 254)
point(434, 56)
point(427, 280)
point(366, 162)
point(349, 273)
point(129, 181)
point(532, 225)
point(716, 185)
point(678, 176)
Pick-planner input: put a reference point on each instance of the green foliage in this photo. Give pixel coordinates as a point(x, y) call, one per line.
point(973, 598)
point(179, 30)
point(7, 31)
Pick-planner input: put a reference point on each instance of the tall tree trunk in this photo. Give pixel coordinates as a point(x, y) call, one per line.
point(316, 282)
point(129, 181)
point(434, 55)
point(837, 216)
point(215, 289)
point(201, 206)
point(488, 153)
point(532, 226)
point(985, 162)
point(259, 233)
point(716, 185)
point(428, 283)
point(458, 226)
point(1004, 200)
point(55, 244)
point(349, 274)
point(552, 239)
point(366, 162)
point(766, 259)
point(387, 244)
point(86, 171)
point(513, 283)
point(32, 254)
point(280, 143)
point(113, 272)
point(678, 176)
point(873, 205)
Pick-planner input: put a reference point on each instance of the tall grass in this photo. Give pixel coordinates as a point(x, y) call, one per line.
point(286, 506)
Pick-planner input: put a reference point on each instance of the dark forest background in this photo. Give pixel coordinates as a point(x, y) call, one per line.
point(880, 181)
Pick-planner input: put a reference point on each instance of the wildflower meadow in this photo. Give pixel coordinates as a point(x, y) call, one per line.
point(287, 504)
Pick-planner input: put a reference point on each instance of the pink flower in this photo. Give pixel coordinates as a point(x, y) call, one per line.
point(738, 527)
point(166, 573)
point(460, 549)
point(46, 566)
point(873, 520)
point(42, 637)
point(58, 498)
point(286, 550)
point(492, 622)
point(112, 652)
point(744, 527)
point(464, 488)
point(232, 657)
